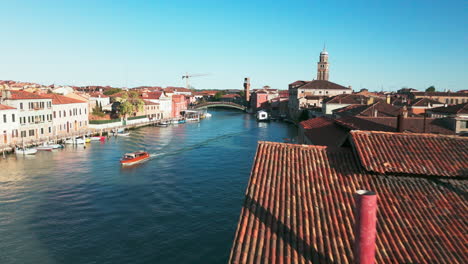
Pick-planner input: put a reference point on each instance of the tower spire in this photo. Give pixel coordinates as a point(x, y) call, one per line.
point(322, 67)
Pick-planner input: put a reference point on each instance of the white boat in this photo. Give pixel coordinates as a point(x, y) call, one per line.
point(76, 141)
point(54, 146)
point(45, 148)
point(263, 116)
point(175, 121)
point(25, 151)
point(123, 134)
point(208, 115)
point(120, 130)
point(97, 138)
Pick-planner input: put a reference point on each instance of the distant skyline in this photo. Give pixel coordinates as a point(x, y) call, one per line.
point(372, 44)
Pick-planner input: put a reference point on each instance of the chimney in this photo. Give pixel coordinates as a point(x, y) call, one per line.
point(365, 227)
point(376, 112)
point(370, 100)
point(388, 99)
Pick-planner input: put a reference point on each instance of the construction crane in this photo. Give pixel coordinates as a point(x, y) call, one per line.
point(187, 76)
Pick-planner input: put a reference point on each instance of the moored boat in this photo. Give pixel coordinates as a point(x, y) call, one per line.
point(263, 116)
point(75, 141)
point(97, 138)
point(123, 134)
point(25, 151)
point(134, 158)
point(45, 148)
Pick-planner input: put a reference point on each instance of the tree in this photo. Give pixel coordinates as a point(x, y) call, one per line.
point(100, 106)
point(430, 89)
point(242, 93)
point(218, 95)
point(126, 108)
point(112, 91)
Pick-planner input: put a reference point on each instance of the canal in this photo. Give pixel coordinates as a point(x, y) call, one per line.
point(77, 205)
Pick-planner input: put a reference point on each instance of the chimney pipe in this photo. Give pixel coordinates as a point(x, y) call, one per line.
point(400, 123)
point(365, 227)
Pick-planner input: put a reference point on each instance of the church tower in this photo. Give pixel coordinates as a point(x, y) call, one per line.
point(322, 67)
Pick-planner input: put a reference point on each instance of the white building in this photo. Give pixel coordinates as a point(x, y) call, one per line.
point(9, 125)
point(69, 115)
point(165, 102)
point(34, 114)
point(98, 99)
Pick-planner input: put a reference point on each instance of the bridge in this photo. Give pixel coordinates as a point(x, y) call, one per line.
point(219, 104)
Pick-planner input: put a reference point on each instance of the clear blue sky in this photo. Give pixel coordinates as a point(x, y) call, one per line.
point(372, 44)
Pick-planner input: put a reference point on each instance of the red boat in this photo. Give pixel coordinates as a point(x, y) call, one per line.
point(134, 158)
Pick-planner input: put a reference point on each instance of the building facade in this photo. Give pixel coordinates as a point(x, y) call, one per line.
point(69, 115)
point(9, 125)
point(34, 114)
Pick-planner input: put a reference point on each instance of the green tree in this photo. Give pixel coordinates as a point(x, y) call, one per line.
point(218, 95)
point(431, 89)
point(112, 91)
point(100, 106)
point(126, 108)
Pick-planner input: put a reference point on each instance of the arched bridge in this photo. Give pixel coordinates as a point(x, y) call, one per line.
point(219, 104)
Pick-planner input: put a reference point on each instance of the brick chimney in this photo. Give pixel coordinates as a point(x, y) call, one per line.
point(365, 227)
point(401, 119)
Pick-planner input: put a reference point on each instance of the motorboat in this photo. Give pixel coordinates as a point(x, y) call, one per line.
point(123, 134)
point(25, 151)
point(182, 121)
point(175, 121)
point(263, 116)
point(134, 158)
point(45, 148)
point(97, 138)
point(163, 124)
point(75, 141)
point(53, 145)
point(208, 115)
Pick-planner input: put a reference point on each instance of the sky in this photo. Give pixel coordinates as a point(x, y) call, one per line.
point(378, 45)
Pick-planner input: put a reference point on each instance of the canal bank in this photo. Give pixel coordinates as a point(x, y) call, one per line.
point(182, 206)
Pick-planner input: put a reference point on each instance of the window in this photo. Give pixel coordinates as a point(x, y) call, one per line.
point(55, 116)
point(31, 132)
point(13, 118)
point(64, 113)
point(4, 119)
point(464, 124)
point(85, 111)
point(447, 101)
point(70, 112)
point(60, 114)
point(21, 106)
point(42, 131)
point(80, 111)
point(50, 129)
point(23, 134)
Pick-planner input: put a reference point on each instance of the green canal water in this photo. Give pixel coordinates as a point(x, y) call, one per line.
point(77, 205)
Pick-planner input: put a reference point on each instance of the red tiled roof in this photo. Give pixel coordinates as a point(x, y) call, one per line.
point(60, 99)
point(299, 205)
point(23, 95)
point(6, 107)
point(348, 99)
point(389, 124)
point(452, 109)
point(149, 102)
point(454, 94)
point(409, 153)
point(230, 96)
point(424, 102)
point(319, 84)
point(324, 132)
point(151, 95)
point(381, 108)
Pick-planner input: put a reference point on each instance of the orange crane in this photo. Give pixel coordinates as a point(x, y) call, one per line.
point(187, 76)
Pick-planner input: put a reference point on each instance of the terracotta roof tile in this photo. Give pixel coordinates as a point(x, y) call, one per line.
point(299, 203)
point(23, 95)
point(410, 153)
point(320, 84)
point(6, 107)
point(60, 99)
point(452, 109)
point(324, 132)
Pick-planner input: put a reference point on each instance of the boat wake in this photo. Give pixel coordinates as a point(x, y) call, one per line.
point(195, 146)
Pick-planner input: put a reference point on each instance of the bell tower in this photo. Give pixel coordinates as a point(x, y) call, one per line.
point(322, 66)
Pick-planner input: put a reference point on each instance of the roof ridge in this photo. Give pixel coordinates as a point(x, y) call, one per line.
point(406, 134)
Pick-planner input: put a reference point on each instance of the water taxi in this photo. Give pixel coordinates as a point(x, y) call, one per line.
point(134, 158)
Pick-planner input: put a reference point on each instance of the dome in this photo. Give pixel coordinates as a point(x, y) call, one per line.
point(324, 52)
